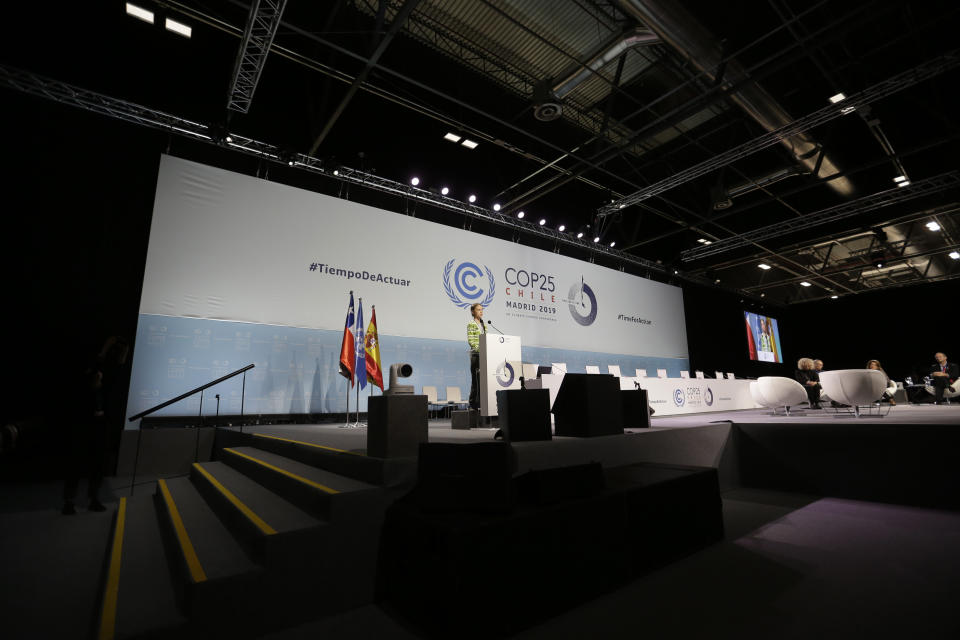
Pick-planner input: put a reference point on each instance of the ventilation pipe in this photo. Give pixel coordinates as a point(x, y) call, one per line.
point(683, 33)
point(548, 102)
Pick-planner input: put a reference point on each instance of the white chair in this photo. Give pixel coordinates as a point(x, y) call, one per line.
point(718, 374)
point(661, 373)
point(454, 399)
point(699, 375)
point(558, 367)
point(592, 369)
point(685, 374)
point(431, 393)
point(951, 391)
point(854, 387)
point(641, 373)
point(614, 369)
point(731, 376)
point(775, 391)
point(530, 371)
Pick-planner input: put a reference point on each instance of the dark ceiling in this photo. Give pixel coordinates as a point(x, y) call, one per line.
point(671, 139)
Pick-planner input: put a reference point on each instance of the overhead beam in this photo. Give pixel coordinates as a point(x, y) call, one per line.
point(262, 23)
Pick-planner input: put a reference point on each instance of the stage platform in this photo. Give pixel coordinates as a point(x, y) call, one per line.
point(907, 456)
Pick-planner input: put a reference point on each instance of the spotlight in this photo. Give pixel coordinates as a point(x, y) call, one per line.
point(904, 183)
point(613, 243)
point(805, 284)
point(562, 228)
point(900, 179)
point(579, 234)
point(763, 266)
point(955, 255)
point(676, 271)
point(834, 297)
point(596, 239)
point(543, 221)
point(452, 137)
point(444, 191)
point(336, 172)
point(520, 214)
point(469, 144)
point(472, 198)
point(622, 206)
point(496, 206)
point(933, 226)
point(837, 98)
point(228, 139)
point(414, 180)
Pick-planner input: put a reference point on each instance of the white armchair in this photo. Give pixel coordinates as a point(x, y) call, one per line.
point(952, 391)
point(774, 391)
point(854, 387)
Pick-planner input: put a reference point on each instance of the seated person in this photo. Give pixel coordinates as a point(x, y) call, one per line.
point(808, 377)
point(891, 385)
point(942, 374)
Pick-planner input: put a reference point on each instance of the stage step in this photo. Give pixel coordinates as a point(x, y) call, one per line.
point(139, 595)
point(315, 490)
point(345, 463)
point(272, 529)
point(216, 574)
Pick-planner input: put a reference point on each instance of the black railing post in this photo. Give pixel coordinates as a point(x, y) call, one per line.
point(196, 453)
point(243, 394)
point(136, 457)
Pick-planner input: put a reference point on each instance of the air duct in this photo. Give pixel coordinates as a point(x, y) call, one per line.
point(683, 33)
point(548, 98)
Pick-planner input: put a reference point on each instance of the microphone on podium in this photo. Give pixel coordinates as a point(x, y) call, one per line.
point(490, 322)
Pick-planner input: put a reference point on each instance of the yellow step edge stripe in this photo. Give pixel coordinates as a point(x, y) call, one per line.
point(315, 485)
point(235, 501)
point(108, 614)
point(189, 553)
point(307, 444)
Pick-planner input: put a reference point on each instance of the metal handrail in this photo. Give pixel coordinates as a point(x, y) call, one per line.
point(190, 393)
point(200, 389)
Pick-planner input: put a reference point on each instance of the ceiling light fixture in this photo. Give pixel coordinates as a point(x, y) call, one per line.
point(414, 180)
point(837, 98)
point(444, 191)
point(469, 144)
point(933, 226)
point(613, 243)
point(178, 28)
point(834, 297)
point(579, 234)
point(905, 183)
point(496, 206)
point(805, 284)
point(452, 137)
point(900, 179)
point(520, 214)
point(140, 13)
point(955, 255)
point(562, 228)
point(472, 198)
point(763, 266)
point(543, 221)
point(596, 239)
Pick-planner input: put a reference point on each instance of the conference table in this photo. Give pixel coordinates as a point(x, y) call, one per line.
point(674, 396)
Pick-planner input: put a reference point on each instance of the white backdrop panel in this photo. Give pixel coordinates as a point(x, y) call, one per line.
point(233, 247)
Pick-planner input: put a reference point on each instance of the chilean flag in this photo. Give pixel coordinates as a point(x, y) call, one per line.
point(361, 368)
point(347, 355)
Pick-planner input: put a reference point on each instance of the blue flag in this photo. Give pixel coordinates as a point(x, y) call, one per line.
point(361, 366)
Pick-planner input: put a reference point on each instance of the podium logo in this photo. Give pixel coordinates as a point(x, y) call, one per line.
point(708, 397)
point(582, 302)
point(678, 397)
point(467, 284)
point(505, 374)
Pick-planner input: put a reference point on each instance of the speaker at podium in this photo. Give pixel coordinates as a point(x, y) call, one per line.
point(588, 405)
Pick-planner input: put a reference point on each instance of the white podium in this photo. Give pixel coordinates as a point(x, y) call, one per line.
point(500, 368)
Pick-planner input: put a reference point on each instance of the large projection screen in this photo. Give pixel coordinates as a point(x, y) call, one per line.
point(242, 270)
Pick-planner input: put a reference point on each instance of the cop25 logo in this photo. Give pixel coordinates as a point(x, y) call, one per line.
point(505, 374)
point(678, 397)
point(467, 288)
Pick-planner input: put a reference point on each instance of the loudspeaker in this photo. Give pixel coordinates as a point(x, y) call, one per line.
point(636, 413)
point(396, 425)
point(550, 486)
point(588, 405)
point(468, 419)
point(464, 477)
point(524, 414)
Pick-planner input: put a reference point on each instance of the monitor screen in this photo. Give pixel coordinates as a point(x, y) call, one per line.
point(763, 338)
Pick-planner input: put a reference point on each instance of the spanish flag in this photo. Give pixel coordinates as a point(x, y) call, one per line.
point(372, 346)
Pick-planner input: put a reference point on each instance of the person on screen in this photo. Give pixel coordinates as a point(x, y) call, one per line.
point(891, 386)
point(474, 329)
point(808, 377)
point(942, 375)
